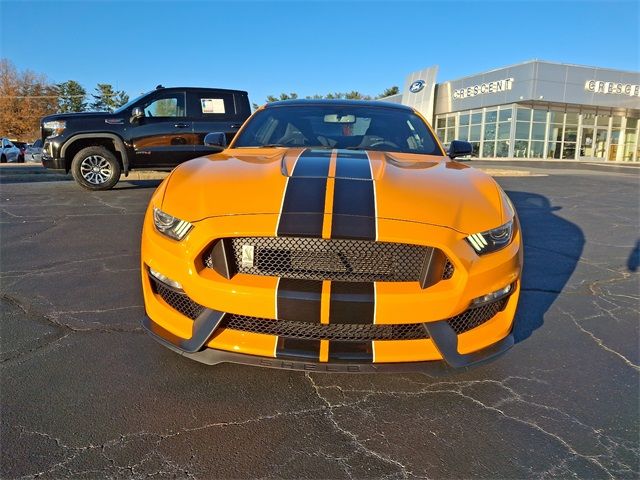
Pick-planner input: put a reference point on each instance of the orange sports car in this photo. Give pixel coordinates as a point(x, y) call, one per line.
point(332, 236)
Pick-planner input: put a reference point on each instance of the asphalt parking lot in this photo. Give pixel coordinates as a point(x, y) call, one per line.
point(86, 394)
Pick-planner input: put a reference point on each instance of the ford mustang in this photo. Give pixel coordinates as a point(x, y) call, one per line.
point(332, 236)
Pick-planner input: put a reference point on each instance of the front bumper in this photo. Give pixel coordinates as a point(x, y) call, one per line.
point(441, 333)
point(50, 155)
point(395, 303)
point(56, 164)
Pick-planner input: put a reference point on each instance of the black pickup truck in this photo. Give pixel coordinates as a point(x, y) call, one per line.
point(156, 131)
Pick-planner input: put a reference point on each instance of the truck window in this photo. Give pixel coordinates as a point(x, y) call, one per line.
point(167, 106)
point(213, 105)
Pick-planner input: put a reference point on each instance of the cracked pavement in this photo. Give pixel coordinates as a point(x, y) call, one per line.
point(85, 394)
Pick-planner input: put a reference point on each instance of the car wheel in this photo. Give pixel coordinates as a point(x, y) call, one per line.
point(3, 159)
point(96, 168)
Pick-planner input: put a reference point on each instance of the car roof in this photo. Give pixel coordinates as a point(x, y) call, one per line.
point(345, 102)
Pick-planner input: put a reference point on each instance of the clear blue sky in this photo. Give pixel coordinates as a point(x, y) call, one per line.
point(270, 47)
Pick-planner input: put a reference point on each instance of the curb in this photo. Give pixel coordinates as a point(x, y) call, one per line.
point(10, 173)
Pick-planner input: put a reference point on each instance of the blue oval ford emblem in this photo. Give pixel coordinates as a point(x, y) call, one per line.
point(416, 86)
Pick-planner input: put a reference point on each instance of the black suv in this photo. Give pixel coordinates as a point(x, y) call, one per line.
point(157, 131)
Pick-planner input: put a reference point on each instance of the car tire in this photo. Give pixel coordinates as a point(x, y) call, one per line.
point(96, 168)
point(3, 159)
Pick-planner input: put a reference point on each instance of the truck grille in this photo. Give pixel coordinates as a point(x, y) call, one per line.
point(334, 259)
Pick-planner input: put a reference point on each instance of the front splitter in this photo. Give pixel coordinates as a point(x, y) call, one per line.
point(446, 343)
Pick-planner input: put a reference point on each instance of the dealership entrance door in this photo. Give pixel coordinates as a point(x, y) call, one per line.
point(593, 143)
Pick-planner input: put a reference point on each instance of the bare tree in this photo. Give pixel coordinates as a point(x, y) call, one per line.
point(25, 97)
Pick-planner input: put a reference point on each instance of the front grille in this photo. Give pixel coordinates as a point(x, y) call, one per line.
point(176, 300)
point(448, 270)
point(334, 259)
point(474, 317)
point(461, 323)
point(346, 332)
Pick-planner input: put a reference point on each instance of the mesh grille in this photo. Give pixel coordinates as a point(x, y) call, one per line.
point(448, 270)
point(461, 323)
point(474, 317)
point(356, 332)
point(178, 301)
point(335, 259)
point(314, 331)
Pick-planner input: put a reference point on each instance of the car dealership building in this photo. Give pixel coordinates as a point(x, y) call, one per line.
point(535, 109)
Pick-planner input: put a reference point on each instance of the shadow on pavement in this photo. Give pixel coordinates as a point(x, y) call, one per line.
point(552, 248)
point(634, 258)
point(136, 184)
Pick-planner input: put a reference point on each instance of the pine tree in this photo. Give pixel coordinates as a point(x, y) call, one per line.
point(72, 97)
point(121, 98)
point(389, 91)
point(106, 99)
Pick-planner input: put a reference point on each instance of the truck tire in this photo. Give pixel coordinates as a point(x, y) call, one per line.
point(96, 168)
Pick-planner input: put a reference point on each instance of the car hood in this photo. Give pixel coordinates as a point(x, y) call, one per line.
point(409, 187)
point(75, 115)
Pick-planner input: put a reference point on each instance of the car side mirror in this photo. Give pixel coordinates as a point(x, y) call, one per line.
point(458, 148)
point(136, 114)
point(216, 139)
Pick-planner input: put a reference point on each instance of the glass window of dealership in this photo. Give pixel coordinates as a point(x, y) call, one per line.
point(540, 131)
point(536, 110)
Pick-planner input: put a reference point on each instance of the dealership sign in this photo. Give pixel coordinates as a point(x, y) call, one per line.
point(489, 87)
point(416, 86)
point(612, 88)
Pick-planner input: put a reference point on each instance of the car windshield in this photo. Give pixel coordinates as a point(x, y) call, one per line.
point(339, 126)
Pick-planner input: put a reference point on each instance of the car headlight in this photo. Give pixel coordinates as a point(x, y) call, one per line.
point(169, 225)
point(54, 127)
point(492, 240)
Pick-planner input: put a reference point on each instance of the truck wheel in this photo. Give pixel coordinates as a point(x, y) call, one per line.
point(96, 168)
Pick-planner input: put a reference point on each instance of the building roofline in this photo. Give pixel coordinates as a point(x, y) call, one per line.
point(537, 60)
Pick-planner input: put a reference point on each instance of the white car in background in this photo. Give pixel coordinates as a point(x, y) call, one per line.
point(9, 153)
point(34, 152)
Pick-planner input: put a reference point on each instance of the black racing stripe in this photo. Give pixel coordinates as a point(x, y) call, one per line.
point(354, 207)
point(354, 210)
point(312, 163)
point(299, 300)
point(353, 165)
point(352, 302)
point(302, 211)
point(295, 348)
point(303, 208)
point(350, 351)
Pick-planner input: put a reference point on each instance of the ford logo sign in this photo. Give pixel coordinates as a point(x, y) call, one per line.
point(416, 86)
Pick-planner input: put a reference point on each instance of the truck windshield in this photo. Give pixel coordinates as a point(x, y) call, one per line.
point(339, 126)
point(128, 104)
